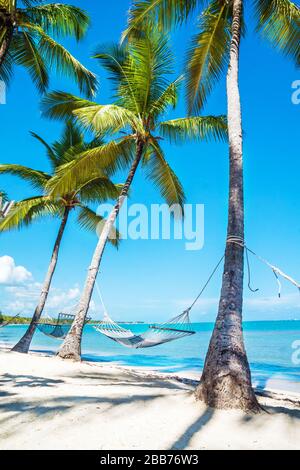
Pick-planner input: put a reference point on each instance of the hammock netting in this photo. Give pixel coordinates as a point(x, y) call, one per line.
point(177, 327)
point(59, 328)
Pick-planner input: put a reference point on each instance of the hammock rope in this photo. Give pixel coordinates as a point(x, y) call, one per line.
point(179, 326)
point(171, 330)
point(60, 327)
point(277, 272)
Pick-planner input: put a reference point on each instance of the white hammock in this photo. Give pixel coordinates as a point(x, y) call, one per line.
point(180, 326)
point(177, 327)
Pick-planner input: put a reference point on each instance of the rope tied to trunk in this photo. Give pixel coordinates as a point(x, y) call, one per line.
point(276, 271)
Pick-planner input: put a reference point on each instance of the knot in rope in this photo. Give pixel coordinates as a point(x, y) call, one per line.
point(236, 239)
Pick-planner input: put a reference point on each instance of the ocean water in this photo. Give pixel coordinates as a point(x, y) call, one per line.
point(272, 357)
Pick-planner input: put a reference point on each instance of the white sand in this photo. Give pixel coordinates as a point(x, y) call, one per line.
point(46, 403)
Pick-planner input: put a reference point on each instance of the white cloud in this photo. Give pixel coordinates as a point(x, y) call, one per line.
point(59, 298)
point(24, 298)
point(10, 274)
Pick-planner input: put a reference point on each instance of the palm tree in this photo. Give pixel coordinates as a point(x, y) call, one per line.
point(139, 72)
point(96, 188)
point(27, 31)
point(226, 378)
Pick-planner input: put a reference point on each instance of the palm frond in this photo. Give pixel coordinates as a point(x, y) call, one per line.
point(25, 52)
point(117, 60)
point(59, 58)
point(50, 152)
point(159, 171)
point(97, 189)
point(90, 220)
point(169, 97)
point(61, 105)
point(31, 3)
point(57, 19)
point(37, 179)
point(164, 13)
point(279, 22)
point(208, 54)
point(151, 62)
point(107, 158)
point(108, 118)
point(6, 69)
point(71, 138)
point(27, 211)
point(195, 128)
point(3, 197)
point(112, 58)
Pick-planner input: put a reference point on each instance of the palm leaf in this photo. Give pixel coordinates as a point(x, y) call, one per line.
point(90, 220)
point(164, 13)
point(169, 97)
point(36, 178)
point(61, 105)
point(70, 143)
point(57, 19)
point(31, 3)
point(112, 58)
point(25, 52)
point(152, 61)
point(59, 58)
point(107, 118)
point(118, 62)
point(208, 54)
point(25, 212)
point(6, 69)
point(279, 22)
point(159, 171)
point(195, 128)
point(107, 158)
point(97, 189)
point(50, 152)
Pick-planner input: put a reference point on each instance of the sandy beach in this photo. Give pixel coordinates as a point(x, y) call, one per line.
point(47, 403)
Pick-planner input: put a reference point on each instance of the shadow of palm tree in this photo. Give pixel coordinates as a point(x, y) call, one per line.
point(184, 440)
point(135, 380)
point(29, 381)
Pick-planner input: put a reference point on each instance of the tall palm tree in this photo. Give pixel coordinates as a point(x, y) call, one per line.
point(96, 188)
point(27, 31)
point(226, 378)
point(140, 73)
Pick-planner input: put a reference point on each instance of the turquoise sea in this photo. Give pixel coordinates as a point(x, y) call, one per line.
point(273, 359)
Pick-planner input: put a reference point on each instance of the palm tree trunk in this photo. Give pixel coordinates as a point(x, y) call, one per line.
point(7, 25)
point(226, 378)
point(24, 343)
point(71, 347)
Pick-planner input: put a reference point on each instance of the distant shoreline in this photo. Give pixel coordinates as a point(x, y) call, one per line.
point(96, 322)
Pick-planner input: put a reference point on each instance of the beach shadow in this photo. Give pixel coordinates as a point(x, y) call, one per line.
point(29, 381)
point(135, 380)
point(36, 409)
point(183, 442)
point(291, 413)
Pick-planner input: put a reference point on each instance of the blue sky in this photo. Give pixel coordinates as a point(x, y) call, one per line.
point(150, 280)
